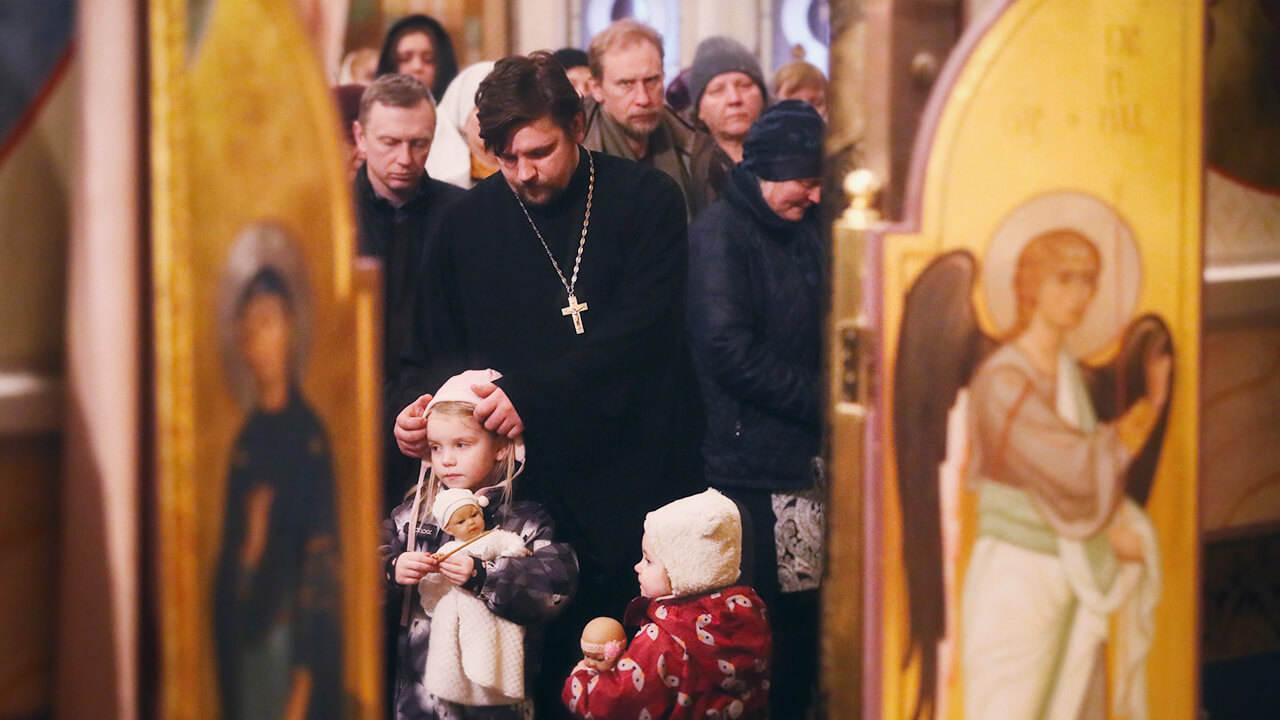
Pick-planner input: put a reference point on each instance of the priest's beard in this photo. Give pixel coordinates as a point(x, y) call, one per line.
point(537, 194)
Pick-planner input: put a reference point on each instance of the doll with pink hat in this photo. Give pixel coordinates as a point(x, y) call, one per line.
point(483, 595)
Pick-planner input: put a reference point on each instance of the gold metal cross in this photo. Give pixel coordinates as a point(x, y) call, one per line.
point(575, 309)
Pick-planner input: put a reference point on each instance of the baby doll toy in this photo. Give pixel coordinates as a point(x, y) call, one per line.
point(703, 646)
point(475, 657)
point(461, 513)
point(603, 641)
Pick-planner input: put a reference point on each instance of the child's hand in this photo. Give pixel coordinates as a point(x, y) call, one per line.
point(413, 566)
point(411, 429)
point(458, 568)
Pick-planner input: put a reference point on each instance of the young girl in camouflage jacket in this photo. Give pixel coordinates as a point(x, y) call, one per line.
point(527, 590)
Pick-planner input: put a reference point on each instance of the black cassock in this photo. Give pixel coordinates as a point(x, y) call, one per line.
point(612, 416)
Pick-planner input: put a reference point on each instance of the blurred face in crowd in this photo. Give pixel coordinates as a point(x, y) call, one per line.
point(812, 94)
point(580, 76)
point(416, 56)
point(791, 198)
point(395, 142)
point(363, 65)
point(350, 150)
point(730, 103)
point(540, 158)
point(630, 90)
point(471, 131)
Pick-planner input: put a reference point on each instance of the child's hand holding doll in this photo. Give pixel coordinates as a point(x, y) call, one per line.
point(457, 568)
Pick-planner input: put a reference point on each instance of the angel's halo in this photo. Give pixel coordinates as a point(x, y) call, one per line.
point(1119, 283)
point(260, 245)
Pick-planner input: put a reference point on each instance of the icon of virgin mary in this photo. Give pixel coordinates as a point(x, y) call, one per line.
point(277, 591)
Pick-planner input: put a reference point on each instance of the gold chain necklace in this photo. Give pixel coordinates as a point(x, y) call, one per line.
point(574, 307)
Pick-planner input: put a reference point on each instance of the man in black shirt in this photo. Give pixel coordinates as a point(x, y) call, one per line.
point(398, 207)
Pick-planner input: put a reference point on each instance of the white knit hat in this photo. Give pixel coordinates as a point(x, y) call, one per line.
point(699, 540)
point(448, 502)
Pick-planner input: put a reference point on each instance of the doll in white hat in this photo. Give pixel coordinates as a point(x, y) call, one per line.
point(486, 594)
point(475, 657)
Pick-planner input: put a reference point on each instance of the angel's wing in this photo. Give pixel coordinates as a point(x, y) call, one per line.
point(1115, 387)
point(939, 346)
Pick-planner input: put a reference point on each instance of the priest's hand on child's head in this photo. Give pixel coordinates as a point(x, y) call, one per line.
point(411, 428)
point(496, 412)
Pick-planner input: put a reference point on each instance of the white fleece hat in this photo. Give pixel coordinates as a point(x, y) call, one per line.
point(450, 157)
point(458, 389)
point(448, 502)
point(699, 540)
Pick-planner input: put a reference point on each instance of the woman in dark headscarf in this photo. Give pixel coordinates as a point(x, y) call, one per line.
point(418, 45)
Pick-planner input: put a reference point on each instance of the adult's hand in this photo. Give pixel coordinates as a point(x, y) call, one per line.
point(496, 412)
point(411, 429)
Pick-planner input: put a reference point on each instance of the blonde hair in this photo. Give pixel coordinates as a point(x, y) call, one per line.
point(795, 75)
point(505, 469)
point(620, 33)
point(1037, 261)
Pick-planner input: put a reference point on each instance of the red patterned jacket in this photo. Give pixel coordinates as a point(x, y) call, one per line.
point(704, 656)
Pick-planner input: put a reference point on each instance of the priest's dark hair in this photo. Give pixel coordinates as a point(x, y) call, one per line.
point(522, 89)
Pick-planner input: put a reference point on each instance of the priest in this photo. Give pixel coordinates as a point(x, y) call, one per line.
point(566, 272)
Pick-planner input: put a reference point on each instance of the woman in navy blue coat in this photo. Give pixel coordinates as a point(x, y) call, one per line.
point(755, 311)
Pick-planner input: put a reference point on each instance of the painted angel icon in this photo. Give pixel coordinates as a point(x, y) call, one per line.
point(1030, 407)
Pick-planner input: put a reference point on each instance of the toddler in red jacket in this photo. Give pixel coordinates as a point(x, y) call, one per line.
point(703, 646)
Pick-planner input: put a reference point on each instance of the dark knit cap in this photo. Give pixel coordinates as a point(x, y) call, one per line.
point(785, 143)
point(718, 55)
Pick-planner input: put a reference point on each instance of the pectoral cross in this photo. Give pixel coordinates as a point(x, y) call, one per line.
point(576, 311)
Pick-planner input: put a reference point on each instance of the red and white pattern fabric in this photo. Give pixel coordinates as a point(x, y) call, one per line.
point(704, 656)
